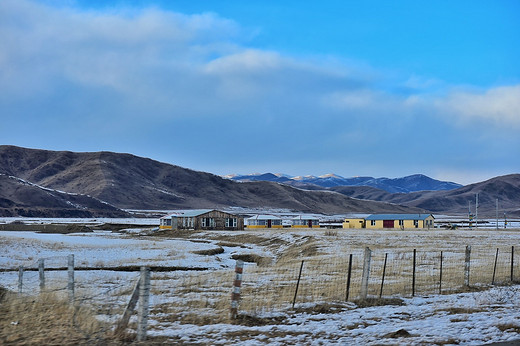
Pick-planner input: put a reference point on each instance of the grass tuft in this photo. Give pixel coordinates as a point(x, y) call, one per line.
point(47, 319)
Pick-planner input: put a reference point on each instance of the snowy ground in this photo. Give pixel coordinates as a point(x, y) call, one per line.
point(466, 318)
point(470, 318)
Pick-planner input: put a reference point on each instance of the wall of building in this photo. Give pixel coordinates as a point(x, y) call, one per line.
point(304, 223)
point(354, 223)
point(378, 224)
point(407, 224)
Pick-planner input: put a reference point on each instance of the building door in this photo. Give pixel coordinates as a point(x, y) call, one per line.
point(388, 223)
point(268, 223)
point(310, 223)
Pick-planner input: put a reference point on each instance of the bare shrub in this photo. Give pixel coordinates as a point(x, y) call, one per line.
point(509, 327)
point(331, 233)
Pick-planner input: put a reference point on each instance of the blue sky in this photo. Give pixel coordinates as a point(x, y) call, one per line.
point(374, 88)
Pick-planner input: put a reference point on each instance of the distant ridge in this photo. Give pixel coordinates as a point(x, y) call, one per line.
point(412, 183)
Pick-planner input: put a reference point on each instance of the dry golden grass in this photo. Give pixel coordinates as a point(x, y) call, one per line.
point(270, 285)
point(308, 248)
point(48, 320)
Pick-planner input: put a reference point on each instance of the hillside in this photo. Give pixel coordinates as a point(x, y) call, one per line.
point(130, 182)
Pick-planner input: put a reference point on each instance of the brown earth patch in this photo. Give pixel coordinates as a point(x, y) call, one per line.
point(364, 303)
point(250, 320)
point(325, 308)
point(252, 258)
point(210, 252)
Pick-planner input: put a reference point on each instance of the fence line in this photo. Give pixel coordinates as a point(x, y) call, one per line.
point(375, 274)
point(36, 280)
point(289, 284)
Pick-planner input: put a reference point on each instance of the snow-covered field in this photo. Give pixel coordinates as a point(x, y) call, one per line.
point(486, 315)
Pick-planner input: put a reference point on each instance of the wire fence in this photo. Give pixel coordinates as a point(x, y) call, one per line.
point(84, 312)
point(204, 297)
point(390, 274)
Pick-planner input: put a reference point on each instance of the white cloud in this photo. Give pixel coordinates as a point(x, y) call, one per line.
point(42, 45)
point(500, 106)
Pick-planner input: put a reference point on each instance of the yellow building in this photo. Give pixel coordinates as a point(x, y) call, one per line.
point(400, 221)
point(354, 223)
point(264, 221)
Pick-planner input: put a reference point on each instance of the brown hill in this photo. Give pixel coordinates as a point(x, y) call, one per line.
point(131, 182)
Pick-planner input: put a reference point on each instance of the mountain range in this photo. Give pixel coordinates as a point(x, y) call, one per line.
point(44, 183)
point(63, 183)
point(412, 183)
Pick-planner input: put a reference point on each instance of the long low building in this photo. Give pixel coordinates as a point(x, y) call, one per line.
point(399, 221)
point(201, 219)
point(305, 221)
point(264, 221)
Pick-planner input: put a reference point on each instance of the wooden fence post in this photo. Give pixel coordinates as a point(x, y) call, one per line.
point(41, 272)
point(383, 277)
point(413, 271)
point(297, 285)
point(349, 276)
point(237, 284)
point(366, 273)
point(440, 276)
point(494, 268)
point(20, 279)
point(123, 323)
point(144, 299)
point(467, 259)
point(70, 284)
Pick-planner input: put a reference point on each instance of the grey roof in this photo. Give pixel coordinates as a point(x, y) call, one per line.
point(264, 217)
point(188, 213)
point(305, 217)
point(398, 217)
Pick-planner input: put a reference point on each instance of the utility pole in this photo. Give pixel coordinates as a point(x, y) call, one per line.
point(476, 212)
point(469, 214)
point(497, 214)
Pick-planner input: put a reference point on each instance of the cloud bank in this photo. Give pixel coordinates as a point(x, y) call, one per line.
point(189, 89)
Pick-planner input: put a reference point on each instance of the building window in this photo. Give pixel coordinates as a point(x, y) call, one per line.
point(230, 222)
point(372, 222)
point(208, 222)
point(416, 223)
point(401, 223)
point(166, 222)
